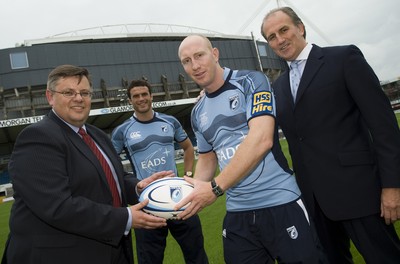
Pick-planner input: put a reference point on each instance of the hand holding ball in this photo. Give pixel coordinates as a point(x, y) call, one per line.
point(163, 195)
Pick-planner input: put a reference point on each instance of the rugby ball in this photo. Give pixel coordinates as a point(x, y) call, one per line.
point(163, 195)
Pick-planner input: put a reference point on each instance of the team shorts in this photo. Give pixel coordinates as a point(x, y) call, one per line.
point(283, 233)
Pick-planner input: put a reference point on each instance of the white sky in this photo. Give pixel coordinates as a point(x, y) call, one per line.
point(372, 25)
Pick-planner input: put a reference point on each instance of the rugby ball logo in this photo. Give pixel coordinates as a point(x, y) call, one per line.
point(176, 193)
point(164, 194)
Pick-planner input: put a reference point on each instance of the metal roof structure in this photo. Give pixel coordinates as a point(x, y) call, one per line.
point(124, 31)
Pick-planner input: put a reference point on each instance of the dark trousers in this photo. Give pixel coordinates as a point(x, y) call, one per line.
point(377, 242)
point(121, 254)
point(150, 244)
point(281, 233)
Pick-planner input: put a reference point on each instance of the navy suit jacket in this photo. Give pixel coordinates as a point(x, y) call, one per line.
point(342, 133)
point(63, 211)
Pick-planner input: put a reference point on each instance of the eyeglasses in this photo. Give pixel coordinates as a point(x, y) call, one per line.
point(72, 94)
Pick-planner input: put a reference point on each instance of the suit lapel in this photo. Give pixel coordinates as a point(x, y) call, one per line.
point(286, 88)
point(104, 146)
point(313, 64)
point(80, 145)
point(286, 91)
point(111, 156)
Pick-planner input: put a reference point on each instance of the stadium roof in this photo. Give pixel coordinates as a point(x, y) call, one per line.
point(124, 31)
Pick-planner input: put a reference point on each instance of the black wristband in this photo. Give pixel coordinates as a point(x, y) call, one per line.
point(216, 189)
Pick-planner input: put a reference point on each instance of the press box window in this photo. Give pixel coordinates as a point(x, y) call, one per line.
point(19, 60)
point(262, 50)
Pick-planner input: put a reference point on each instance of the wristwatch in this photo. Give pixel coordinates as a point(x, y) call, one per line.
point(216, 189)
point(189, 174)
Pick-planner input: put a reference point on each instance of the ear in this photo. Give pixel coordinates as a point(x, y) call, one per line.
point(49, 96)
point(301, 28)
point(215, 53)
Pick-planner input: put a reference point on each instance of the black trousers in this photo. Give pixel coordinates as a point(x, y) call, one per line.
point(150, 244)
point(279, 234)
point(377, 242)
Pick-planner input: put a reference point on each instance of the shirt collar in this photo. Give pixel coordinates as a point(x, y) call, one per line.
point(303, 56)
point(76, 129)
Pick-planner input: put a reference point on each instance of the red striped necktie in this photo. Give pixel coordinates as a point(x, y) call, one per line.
point(110, 179)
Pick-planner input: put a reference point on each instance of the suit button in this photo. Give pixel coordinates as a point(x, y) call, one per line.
point(301, 138)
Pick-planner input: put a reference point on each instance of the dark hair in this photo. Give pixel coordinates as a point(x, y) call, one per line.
point(63, 71)
point(288, 11)
point(136, 83)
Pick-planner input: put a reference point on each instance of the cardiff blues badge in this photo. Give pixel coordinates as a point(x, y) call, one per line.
point(234, 102)
point(176, 194)
point(292, 231)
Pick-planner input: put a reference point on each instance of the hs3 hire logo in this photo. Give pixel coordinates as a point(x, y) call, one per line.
point(262, 103)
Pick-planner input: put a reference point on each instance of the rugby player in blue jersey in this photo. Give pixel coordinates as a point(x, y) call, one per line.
point(234, 124)
point(148, 138)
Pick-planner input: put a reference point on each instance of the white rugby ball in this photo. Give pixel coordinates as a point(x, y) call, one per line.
point(163, 195)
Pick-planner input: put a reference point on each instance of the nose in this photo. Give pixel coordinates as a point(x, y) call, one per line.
point(195, 65)
point(78, 96)
point(280, 38)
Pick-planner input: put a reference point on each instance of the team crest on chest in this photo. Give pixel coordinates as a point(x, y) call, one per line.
point(234, 102)
point(164, 129)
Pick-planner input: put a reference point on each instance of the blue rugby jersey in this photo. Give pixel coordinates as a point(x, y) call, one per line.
point(150, 144)
point(219, 121)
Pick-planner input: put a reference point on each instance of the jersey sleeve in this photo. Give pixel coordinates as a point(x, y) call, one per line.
point(259, 96)
point(180, 134)
point(117, 139)
point(202, 144)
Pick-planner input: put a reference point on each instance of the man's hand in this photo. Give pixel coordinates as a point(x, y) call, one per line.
point(390, 204)
point(158, 175)
point(141, 219)
point(200, 197)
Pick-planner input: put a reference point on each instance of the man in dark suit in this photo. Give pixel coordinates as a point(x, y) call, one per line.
point(63, 210)
point(343, 139)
